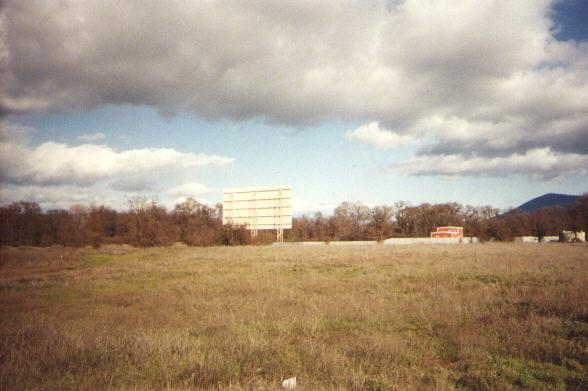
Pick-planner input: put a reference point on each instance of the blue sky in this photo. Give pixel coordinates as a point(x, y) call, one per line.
point(570, 17)
point(478, 104)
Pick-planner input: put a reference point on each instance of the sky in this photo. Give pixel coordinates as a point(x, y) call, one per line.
point(477, 102)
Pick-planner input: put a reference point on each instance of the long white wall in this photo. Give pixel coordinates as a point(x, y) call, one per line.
point(392, 241)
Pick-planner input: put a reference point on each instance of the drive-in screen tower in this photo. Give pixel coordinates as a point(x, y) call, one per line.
point(259, 208)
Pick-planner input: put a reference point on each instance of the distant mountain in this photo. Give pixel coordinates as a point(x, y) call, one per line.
point(549, 199)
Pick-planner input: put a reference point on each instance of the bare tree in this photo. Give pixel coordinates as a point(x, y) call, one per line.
point(198, 224)
point(381, 221)
point(138, 214)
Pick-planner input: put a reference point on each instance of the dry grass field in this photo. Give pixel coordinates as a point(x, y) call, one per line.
point(476, 317)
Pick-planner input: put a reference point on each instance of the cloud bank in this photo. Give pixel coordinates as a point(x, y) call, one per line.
point(543, 163)
point(56, 174)
point(53, 163)
point(480, 80)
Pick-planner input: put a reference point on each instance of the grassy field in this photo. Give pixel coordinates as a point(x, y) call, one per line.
point(479, 317)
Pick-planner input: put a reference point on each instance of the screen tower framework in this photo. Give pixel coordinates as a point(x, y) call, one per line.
point(259, 208)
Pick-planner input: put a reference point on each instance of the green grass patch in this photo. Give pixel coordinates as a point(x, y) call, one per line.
point(94, 260)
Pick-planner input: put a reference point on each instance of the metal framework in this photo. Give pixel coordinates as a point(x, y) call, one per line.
point(279, 225)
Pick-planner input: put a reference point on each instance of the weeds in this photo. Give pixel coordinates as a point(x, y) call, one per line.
point(492, 316)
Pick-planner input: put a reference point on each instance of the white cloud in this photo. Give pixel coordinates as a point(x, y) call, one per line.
point(376, 136)
point(55, 163)
point(541, 162)
point(92, 137)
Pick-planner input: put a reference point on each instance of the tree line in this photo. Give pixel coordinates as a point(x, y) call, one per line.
point(146, 223)
point(356, 221)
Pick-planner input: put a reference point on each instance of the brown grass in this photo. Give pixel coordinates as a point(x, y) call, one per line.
point(480, 317)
